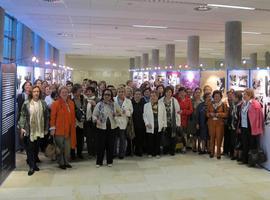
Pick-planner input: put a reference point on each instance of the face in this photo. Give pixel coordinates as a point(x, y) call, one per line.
point(48, 91)
point(121, 93)
point(208, 98)
point(197, 94)
point(230, 96)
point(207, 89)
point(39, 84)
point(160, 90)
point(44, 84)
point(88, 93)
point(35, 93)
point(177, 87)
point(147, 93)
point(69, 86)
point(93, 85)
point(107, 96)
point(246, 97)
point(182, 93)
point(27, 87)
point(79, 92)
point(153, 98)
point(169, 93)
point(137, 96)
point(217, 98)
point(189, 92)
point(64, 94)
point(130, 84)
point(102, 87)
point(128, 92)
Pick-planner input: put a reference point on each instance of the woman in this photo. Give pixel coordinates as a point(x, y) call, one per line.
point(217, 111)
point(48, 99)
point(251, 123)
point(161, 91)
point(138, 122)
point(126, 110)
point(201, 122)
point(186, 110)
point(146, 94)
point(101, 87)
point(192, 130)
point(154, 115)
point(34, 126)
point(104, 115)
point(62, 124)
point(173, 120)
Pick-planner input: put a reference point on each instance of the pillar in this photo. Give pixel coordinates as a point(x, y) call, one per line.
point(19, 43)
point(170, 55)
point(56, 55)
point(27, 46)
point(233, 44)
point(267, 59)
point(193, 50)
point(138, 63)
point(155, 58)
point(2, 24)
point(131, 67)
point(145, 60)
point(41, 55)
point(253, 59)
point(36, 45)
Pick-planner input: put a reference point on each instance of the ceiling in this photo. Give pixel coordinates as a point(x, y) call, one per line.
point(104, 27)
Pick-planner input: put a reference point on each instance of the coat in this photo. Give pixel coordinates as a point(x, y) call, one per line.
point(148, 117)
point(186, 110)
point(122, 121)
point(177, 109)
point(255, 116)
point(63, 121)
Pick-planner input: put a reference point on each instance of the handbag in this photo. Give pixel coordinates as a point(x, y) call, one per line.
point(52, 150)
point(256, 156)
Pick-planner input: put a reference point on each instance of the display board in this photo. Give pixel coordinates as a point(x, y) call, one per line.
point(7, 127)
point(49, 75)
point(158, 76)
point(215, 79)
point(24, 73)
point(39, 73)
point(173, 78)
point(140, 77)
point(190, 79)
point(238, 80)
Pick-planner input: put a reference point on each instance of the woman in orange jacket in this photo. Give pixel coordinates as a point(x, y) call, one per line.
point(217, 111)
point(63, 126)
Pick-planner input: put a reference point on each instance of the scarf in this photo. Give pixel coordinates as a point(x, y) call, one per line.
point(101, 110)
point(216, 105)
point(36, 121)
point(89, 108)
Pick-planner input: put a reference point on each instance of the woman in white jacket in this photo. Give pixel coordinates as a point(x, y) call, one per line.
point(154, 116)
point(173, 120)
point(126, 110)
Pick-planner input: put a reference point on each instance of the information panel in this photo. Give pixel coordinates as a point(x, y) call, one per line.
point(7, 127)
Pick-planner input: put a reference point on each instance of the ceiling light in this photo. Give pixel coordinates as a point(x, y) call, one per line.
point(201, 65)
point(145, 26)
point(254, 44)
point(202, 8)
point(180, 40)
point(251, 32)
point(221, 64)
point(229, 6)
point(81, 44)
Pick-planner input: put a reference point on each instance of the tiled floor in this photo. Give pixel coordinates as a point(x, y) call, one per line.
point(180, 177)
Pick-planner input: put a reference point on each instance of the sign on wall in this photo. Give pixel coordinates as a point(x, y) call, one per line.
point(238, 79)
point(7, 127)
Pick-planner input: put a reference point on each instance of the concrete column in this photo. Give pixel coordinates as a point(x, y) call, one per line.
point(48, 52)
point(27, 46)
point(36, 48)
point(193, 51)
point(267, 59)
point(170, 55)
point(233, 44)
point(131, 67)
point(155, 58)
point(2, 24)
point(145, 60)
point(62, 58)
point(56, 55)
point(253, 59)
point(19, 43)
point(42, 51)
point(138, 63)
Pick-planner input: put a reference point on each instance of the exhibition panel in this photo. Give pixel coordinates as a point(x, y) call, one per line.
point(24, 73)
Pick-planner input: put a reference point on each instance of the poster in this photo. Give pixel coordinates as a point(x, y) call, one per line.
point(238, 79)
point(190, 79)
point(8, 117)
point(39, 73)
point(215, 79)
point(24, 73)
point(55, 76)
point(157, 77)
point(140, 77)
point(173, 78)
point(49, 75)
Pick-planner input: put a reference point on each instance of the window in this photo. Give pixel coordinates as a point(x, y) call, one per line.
point(9, 40)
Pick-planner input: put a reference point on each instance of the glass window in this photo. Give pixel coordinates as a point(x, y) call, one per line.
point(9, 39)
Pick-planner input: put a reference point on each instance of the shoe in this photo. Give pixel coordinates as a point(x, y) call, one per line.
point(202, 152)
point(68, 166)
point(211, 156)
point(218, 157)
point(157, 156)
point(62, 167)
point(183, 150)
point(109, 165)
point(149, 156)
point(97, 166)
point(233, 158)
point(121, 157)
point(194, 150)
point(172, 154)
point(31, 172)
point(36, 168)
point(80, 156)
point(38, 160)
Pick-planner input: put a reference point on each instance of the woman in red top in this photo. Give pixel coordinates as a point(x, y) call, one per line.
point(186, 110)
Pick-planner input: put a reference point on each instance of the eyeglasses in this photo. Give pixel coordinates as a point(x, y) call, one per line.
point(107, 94)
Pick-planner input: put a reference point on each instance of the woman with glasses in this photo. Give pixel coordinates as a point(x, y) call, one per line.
point(104, 115)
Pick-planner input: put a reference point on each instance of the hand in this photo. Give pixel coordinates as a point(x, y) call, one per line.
point(52, 132)
point(98, 122)
point(124, 112)
point(216, 115)
point(179, 112)
point(149, 126)
point(93, 103)
point(197, 126)
point(238, 131)
point(22, 133)
point(212, 114)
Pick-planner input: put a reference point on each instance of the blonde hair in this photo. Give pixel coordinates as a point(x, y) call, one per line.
point(62, 88)
point(249, 92)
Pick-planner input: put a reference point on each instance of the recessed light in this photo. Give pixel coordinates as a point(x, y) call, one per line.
point(180, 40)
point(82, 44)
point(230, 6)
point(146, 26)
point(202, 8)
point(254, 44)
point(251, 32)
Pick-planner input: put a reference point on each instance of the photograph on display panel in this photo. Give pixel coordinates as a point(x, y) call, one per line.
point(190, 79)
point(173, 78)
point(24, 73)
point(238, 79)
point(157, 77)
point(215, 79)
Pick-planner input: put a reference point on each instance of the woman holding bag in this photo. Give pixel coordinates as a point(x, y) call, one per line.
point(63, 126)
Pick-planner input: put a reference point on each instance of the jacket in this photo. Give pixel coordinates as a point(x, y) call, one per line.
point(148, 117)
point(63, 120)
point(222, 111)
point(122, 120)
point(186, 110)
point(177, 109)
point(24, 121)
point(255, 116)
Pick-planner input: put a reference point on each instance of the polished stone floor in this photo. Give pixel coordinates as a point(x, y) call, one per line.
point(180, 177)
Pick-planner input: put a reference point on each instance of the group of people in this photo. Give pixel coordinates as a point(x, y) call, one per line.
point(126, 120)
